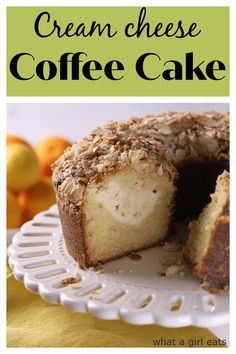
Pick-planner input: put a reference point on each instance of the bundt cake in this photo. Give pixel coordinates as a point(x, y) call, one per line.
point(207, 247)
point(119, 188)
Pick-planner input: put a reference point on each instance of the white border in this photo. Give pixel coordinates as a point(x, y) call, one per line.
point(4, 100)
point(117, 3)
point(3, 177)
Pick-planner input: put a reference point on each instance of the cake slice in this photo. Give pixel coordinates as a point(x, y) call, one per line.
point(207, 248)
point(124, 212)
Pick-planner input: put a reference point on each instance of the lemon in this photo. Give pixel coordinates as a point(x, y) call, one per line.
point(23, 168)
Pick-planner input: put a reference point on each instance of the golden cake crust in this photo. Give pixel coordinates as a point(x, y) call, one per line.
point(213, 268)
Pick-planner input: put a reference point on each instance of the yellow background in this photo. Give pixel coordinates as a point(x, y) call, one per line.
point(35, 323)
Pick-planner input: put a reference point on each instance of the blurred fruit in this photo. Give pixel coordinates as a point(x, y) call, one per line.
point(14, 214)
point(16, 139)
point(23, 168)
point(37, 198)
point(48, 150)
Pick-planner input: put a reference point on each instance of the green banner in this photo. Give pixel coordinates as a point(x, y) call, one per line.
point(117, 51)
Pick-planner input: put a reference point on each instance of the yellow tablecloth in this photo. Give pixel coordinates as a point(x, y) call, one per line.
point(35, 323)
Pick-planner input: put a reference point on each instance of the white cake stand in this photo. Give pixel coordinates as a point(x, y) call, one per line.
point(130, 290)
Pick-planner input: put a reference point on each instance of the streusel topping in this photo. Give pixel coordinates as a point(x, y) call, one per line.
point(165, 140)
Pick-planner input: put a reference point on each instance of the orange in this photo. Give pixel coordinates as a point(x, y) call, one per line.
point(37, 198)
point(16, 139)
point(14, 214)
point(48, 150)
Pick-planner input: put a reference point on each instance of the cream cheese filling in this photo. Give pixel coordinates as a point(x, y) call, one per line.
point(128, 204)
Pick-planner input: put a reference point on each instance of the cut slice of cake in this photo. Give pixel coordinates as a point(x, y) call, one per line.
point(207, 248)
point(126, 211)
